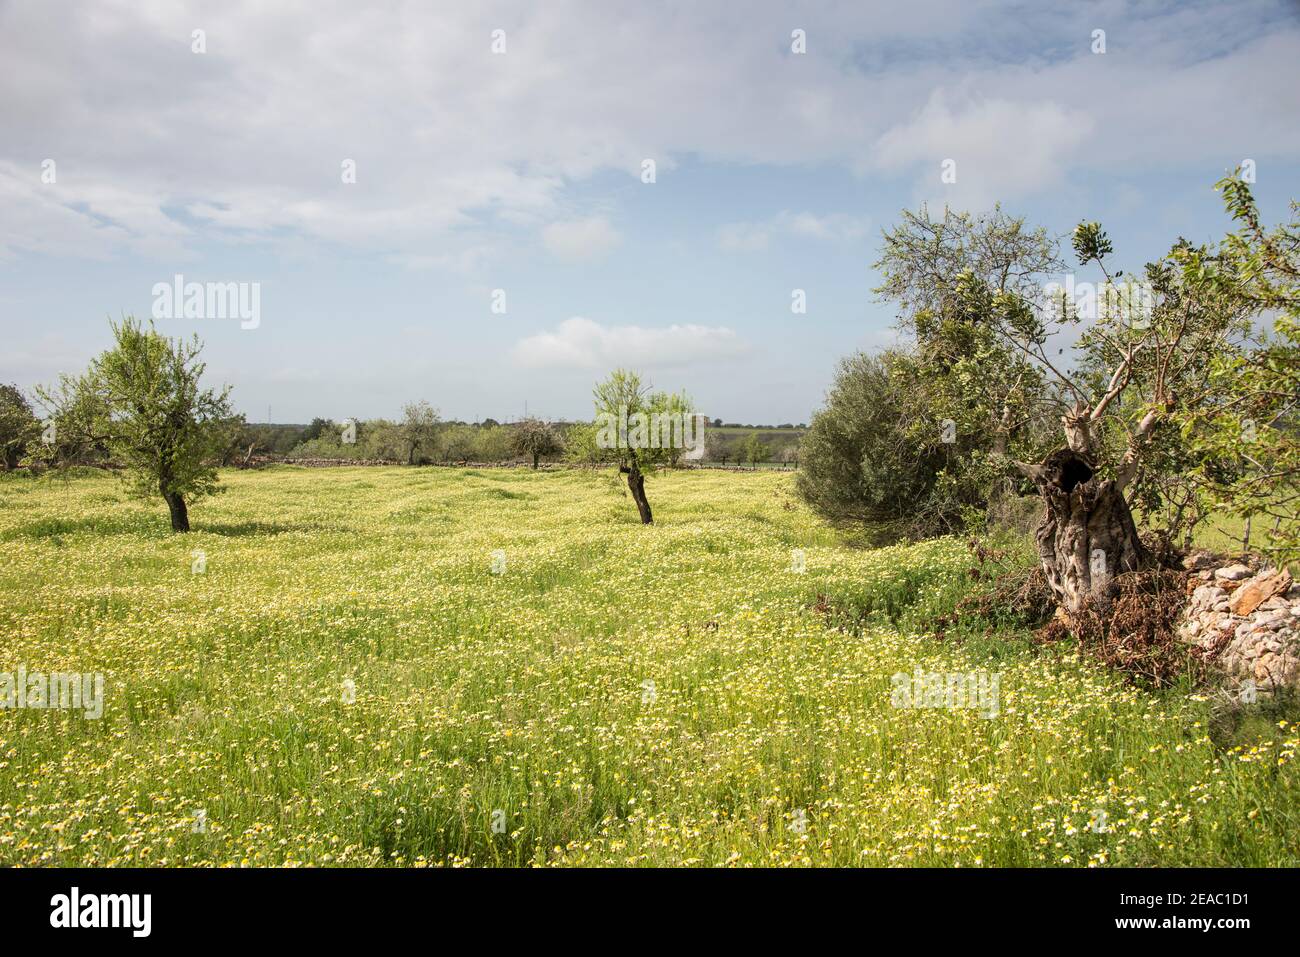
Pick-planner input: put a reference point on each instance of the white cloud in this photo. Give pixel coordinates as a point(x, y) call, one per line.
point(750, 237)
point(580, 343)
point(580, 239)
point(466, 260)
point(1000, 148)
point(87, 221)
point(836, 226)
point(247, 139)
point(744, 237)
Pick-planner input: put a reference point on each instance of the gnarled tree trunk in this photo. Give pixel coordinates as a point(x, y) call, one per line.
point(1087, 535)
point(636, 485)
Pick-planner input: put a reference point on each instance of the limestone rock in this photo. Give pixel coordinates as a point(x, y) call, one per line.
point(1259, 589)
point(1233, 573)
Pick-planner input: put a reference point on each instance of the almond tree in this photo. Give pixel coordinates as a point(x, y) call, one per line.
point(535, 438)
point(419, 430)
point(151, 413)
point(967, 399)
point(618, 398)
point(627, 434)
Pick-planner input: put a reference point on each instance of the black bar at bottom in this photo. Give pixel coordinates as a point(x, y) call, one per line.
point(338, 907)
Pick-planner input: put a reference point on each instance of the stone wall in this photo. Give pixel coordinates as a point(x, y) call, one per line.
point(1246, 617)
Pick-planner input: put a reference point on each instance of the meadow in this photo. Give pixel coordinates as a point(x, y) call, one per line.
point(431, 666)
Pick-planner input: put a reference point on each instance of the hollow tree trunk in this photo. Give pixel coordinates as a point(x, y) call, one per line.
point(180, 515)
point(1087, 535)
point(636, 485)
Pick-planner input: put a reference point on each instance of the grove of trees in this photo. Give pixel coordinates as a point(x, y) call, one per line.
point(1132, 416)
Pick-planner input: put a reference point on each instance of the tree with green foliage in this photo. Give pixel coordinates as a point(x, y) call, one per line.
point(873, 455)
point(535, 439)
point(238, 443)
point(917, 441)
point(1245, 445)
point(18, 426)
point(639, 430)
point(1146, 354)
point(492, 442)
point(75, 413)
point(677, 409)
point(970, 386)
point(316, 429)
point(988, 358)
point(581, 446)
point(142, 397)
point(419, 431)
point(622, 399)
point(457, 442)
point(753, 450)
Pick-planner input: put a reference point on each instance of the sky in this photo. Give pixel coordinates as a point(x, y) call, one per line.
point(451, 202)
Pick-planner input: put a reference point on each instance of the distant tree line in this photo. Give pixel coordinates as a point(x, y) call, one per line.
point(140, 407)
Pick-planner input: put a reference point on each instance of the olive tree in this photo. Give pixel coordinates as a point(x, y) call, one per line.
point(1147, 353)
point(18, 426)
point(874, 455)
point(492, 443)
point(916, 441)
point(973, 400)
point(457, 442)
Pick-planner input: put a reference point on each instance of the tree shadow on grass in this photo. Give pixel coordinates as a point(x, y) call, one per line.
point(244, 529)
point(55, 527)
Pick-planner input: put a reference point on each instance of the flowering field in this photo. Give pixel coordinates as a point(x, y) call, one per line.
point(429, 666)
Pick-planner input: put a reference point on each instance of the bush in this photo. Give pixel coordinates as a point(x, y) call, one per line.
point(861, 464)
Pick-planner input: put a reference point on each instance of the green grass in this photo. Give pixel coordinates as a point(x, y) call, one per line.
point(770, 736)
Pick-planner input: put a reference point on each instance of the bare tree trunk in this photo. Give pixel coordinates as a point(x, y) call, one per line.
point(180, 515)
point(636, 484)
